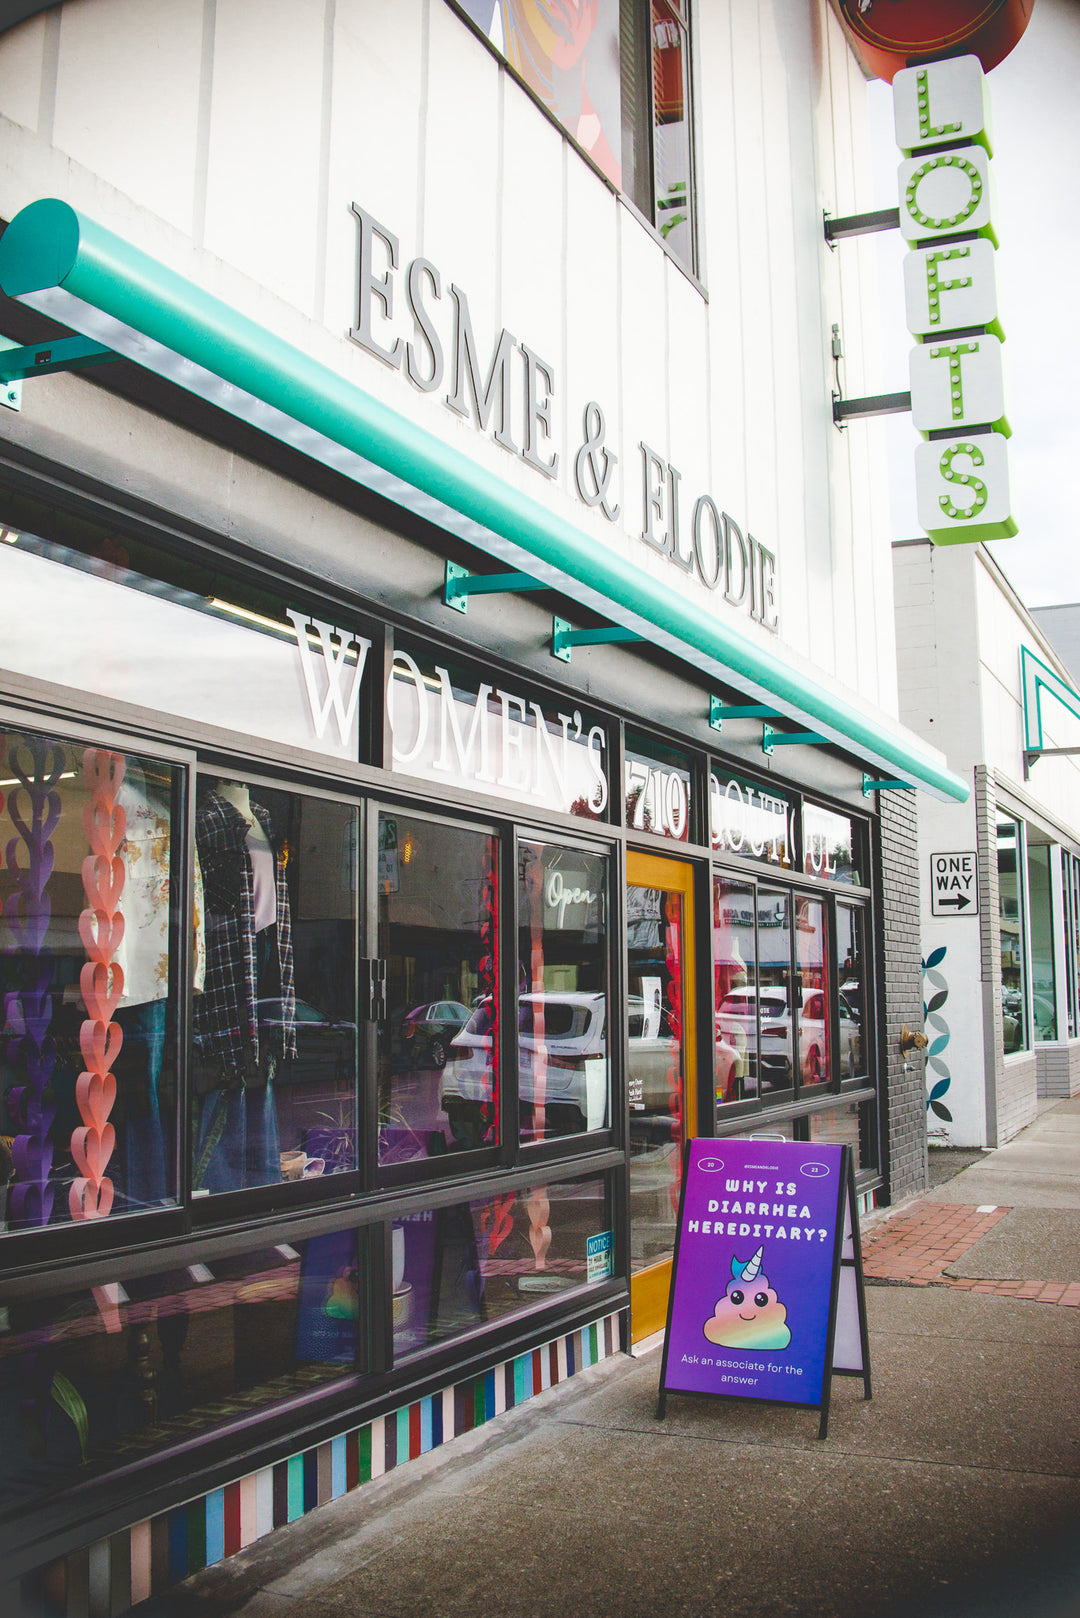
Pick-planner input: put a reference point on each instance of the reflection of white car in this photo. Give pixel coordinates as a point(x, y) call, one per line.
point(570, 1030)
point(737, 1022)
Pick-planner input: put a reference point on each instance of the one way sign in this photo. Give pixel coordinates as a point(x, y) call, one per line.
point(954, 885)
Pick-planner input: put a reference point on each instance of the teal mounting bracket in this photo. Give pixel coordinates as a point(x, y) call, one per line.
point(771, 738)
point(720, 710)
point(461, 584)
point(64, 354)
point(564, 639)
point(870, 785)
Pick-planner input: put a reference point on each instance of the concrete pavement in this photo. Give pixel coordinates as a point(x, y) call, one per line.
point(953, 1493)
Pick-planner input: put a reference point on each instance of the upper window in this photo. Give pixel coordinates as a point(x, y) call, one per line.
point(615, 73)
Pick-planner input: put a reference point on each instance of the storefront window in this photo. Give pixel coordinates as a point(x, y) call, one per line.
point(439, 934)
point(657, 791)
point(851, 965)
point(274, 1046)
point(615, 73)
point(88, 919)
point(458, 1268)
point(734, 968)
point(1010, 922)
point(195, 641)
point(847, 1126)
point(563, 1071)
point(830, 845)
point(95, 1379)
point(1041, 912)
point(814, 1003)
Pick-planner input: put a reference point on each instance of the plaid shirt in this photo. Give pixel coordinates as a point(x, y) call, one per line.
point(226, 1013)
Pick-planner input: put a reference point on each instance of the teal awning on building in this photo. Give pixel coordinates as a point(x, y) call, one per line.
point(59, 262)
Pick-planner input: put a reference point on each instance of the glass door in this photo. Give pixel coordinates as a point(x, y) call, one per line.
point(663, 1102)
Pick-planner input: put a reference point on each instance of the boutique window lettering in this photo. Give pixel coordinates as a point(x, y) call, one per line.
point(829, 845)
point(87, 933)
point(749, 819)
point(275, 1025)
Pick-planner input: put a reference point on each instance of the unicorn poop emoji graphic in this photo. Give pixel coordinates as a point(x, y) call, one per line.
point(749, 1315)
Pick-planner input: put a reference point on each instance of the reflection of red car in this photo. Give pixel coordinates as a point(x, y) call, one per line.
point(428, 1030)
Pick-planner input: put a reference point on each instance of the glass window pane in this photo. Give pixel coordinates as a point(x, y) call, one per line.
point(657, 957)
point(275, 1045)
point(848, 1126)
point(568, 55)
point(852, 967)
point(93, 1380)
point(1041, 910)
point(814, 1003)
point(456, 1269)
point(657, 790)
point(768, 1017)
point(438, 932)
point(88, 915)
point(671, 132)
point(1010, 922)
point(830, 844)
point(563, 1073)
point(734, 968)
point(196, 641)
point(749, 819)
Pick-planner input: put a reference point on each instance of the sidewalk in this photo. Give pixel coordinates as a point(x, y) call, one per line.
point(953, 1493)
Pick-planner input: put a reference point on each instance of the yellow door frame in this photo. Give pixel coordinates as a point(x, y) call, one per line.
point(649, 1288)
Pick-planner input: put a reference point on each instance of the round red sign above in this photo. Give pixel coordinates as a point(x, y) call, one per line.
point(890, 34)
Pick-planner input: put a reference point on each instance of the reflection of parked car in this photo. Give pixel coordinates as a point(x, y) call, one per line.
point(574, 1037)
point(324, 1049)
point(572, 1029)
point(428, 1030)
point(737, 1023)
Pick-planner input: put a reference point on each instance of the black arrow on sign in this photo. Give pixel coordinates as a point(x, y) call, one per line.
point(961, 901)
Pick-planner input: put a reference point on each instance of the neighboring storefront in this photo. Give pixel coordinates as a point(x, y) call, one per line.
point(999, 875)
point(425, 805)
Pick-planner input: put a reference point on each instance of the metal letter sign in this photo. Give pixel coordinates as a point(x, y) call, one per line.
point(946, 212)
point(766, 1291)
point(954, 884)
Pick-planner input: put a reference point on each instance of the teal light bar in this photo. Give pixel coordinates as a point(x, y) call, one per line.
point(72, 269)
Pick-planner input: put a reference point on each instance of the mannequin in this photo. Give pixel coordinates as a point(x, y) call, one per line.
point(249, 962)
point(146, 1140)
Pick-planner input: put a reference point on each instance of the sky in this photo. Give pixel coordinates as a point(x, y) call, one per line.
point(1035, 111)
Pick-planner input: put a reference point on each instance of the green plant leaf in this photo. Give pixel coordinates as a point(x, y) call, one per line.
point(71, 1402)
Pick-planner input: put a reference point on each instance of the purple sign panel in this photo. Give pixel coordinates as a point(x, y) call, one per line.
point(753, 1282)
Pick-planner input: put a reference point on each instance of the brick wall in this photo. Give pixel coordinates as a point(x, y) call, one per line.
point(1058, 1069)
point(904, 1098)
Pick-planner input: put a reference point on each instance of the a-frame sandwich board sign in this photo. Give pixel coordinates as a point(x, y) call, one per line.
point(767, 1299)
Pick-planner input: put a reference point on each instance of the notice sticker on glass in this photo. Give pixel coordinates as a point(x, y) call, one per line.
point(600, 1256)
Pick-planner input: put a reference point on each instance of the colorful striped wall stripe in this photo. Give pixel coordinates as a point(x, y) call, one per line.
point(109, 1577)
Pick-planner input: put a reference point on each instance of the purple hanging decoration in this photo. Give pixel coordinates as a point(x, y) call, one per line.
point(34, 808)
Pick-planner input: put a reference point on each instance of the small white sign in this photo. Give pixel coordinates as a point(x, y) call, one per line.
point(958, 384)
point(940, 103)
point(954, 885)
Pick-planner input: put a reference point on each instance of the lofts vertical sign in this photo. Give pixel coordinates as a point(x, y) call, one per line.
point(942, 115)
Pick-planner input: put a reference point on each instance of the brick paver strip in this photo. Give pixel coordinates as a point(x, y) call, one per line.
point(916, 1247)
